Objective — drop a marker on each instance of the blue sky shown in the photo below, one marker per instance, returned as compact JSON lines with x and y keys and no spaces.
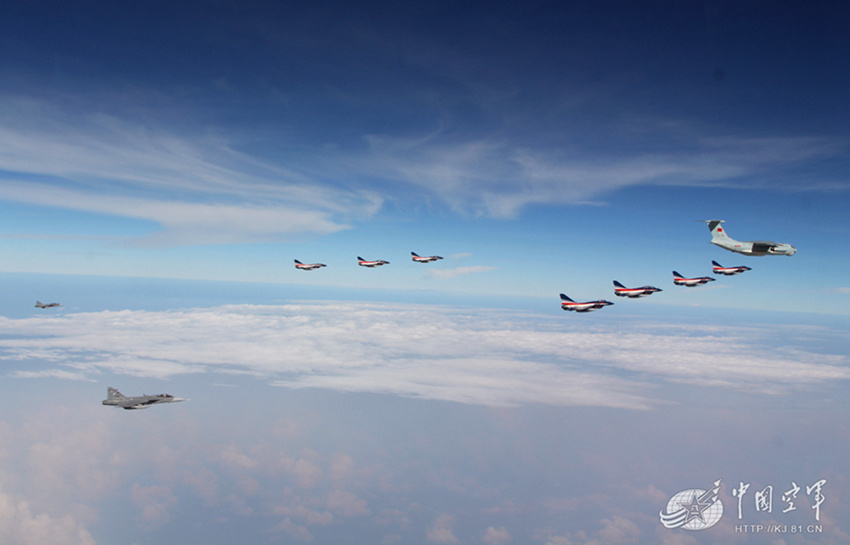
{"x":161,"y":166}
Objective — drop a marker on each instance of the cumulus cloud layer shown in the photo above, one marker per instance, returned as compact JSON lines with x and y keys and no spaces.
{"x":20,"y":526}
{"x":485,"y":357}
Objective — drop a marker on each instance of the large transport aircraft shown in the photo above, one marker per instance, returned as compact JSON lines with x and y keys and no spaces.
{"x":114,"y":398}
{"x":728,"y":271}
{"x":680,"y":280}
{"x":755,"y":247}
{"x":363,"y":263}
{"x":622,"y":291}
{"x":308,"y":266}
{"x":426,"y":259}
{"x":587,"y":306}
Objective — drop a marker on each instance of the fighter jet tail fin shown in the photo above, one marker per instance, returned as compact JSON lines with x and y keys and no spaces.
{"x":716,"y":264}
{"x":617,"y":284}
{"x":298,"y":262}
{"x":112,"y":393}
{"x":565,"y":298}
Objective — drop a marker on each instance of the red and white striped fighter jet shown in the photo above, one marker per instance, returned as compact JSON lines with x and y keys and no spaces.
{"x":680,"y":280}
{"x":363,"y":263}
{"x":728,"y":271}
{"x":587,"y":306}
{"x":308,"y":266}
{"x":426,"y":259}
{"x":622,"y":291}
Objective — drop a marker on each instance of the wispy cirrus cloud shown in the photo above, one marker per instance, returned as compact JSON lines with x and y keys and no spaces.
{"x":482,"y":357}
{"x":202,"y":186}
{"x":496,"y":177}
{"x":199,"y":189}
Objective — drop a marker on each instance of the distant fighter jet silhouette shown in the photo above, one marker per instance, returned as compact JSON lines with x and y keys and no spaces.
{"x":587,"y":306}
{"x":728,"y":271}
{"x":308,"y":266}
{"x":680,"y":280}
{"x":427,"y":259}
{"x":622,"y":291}
{"x":115,"y":398}
{"x":363,"y":263}
{"x":39,"y":304}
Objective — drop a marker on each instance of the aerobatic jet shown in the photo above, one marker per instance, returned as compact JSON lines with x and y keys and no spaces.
{"x":39,"y":304}
{"x":756,"y":247}
{"x":680,"y":280}
{"x":587,"y":306}
{"x":622,"y":291}
{"x":115,"y":398}
{"x":363,"y":263}
{"x":728,"y":271}
{"x":427,"y":259}
{"x":308,"y":266}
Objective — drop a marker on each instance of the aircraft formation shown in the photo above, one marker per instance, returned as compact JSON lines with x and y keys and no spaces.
{"x":115,"y":398}
{"x":720,"y":238}
{"x":366,"y":263}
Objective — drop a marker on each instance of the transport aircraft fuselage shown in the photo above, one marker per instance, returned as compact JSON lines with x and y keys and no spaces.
{"x":719,"y":237}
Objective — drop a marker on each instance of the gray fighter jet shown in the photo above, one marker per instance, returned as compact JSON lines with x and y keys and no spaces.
{"x":115,"y":398}
{"x":39,"y":304}
{"x":756,"y":247}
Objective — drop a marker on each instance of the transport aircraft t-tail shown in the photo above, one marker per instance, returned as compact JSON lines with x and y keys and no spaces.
{"x":622,"y":291}
{"x":755,"y":247}
{"x":680,"y":280}
{"x":115,"y":398}
{"x":426,"y":259}
{"x":308,"y":266}
{"x":728,"y":271}
{"x":587,"y":306}
{"x":363,"y":263}
{"x":39,"y":304}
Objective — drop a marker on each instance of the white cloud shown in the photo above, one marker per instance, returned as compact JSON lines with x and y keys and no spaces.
{"x":20,"y":526}
{"x":440,"y":530}
{"x":496,"y":536}
{"x":615,"y":531}
{"x":347,"y":504}
{"x":155,"y":504}
{"x":199,"y":190}
{"x":497,"y":178}
{"x":484,"y":357}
